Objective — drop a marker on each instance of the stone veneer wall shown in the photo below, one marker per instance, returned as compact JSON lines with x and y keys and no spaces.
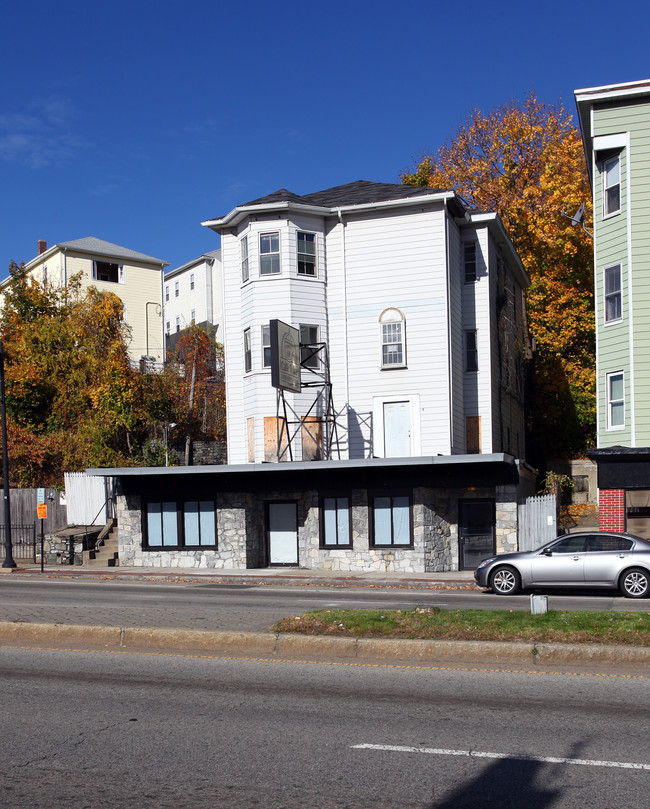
{"x":242,"y":541}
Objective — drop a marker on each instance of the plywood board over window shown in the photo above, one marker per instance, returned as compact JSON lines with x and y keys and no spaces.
{"x":473,"y":434}
{"x":274,"y":427}
{"x":312,"y":438}
{"x":250,"y":433}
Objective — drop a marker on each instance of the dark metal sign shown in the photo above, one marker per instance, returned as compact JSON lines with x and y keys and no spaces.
{"x":285,"y":356}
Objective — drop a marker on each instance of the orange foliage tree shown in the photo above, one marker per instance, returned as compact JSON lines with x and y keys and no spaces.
{"x":526,"y":162}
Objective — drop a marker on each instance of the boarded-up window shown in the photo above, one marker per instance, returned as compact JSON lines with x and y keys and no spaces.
{"x":250,"y":432}
{"x":312,"y":438}
{"x":473,"y":434}
{"x":275,"y":428}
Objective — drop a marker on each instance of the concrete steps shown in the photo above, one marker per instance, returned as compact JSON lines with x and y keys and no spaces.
{"x":106,"y":553}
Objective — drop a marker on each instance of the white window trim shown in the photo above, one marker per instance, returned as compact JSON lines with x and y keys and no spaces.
{"x":606,"y":214}
{"x":388,"y":316}
{"x":316,"y":360}
{"x":466,"y":351}
{"x":244,"y":259}
{"x":471,"y":243}
{"x":306,"y":274}
{"x":610,"y":426}
{"x":378,"y":402}
{"x":265,"y":345}
{"x":607,"y":322}
{"x":260,"y":254}
{"x":248,"y":351}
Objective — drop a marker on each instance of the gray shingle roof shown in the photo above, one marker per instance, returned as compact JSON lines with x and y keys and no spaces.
{"x":360,"y":192}
{"x":102,"y":248}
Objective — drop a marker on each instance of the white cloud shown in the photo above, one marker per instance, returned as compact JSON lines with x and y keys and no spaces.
{"x":41,"y":136}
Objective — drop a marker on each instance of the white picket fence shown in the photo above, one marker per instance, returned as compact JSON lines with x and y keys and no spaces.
{"x":89,"y":499}
{"x":537,"y":519}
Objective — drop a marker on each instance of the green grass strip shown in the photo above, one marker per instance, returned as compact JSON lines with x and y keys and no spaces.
{"x":631,"y":628}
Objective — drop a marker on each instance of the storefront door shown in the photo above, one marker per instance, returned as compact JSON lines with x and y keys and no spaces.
{"x":282,"y":533}
{"x":476,"y":529}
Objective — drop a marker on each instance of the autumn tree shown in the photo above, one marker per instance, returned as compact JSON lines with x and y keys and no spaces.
{"x":72,"y":397}
{"x":196,"y":386}
{"x":526,"y":161}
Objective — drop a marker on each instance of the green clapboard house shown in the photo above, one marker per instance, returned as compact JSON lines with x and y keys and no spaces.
{"x":615,"y":125}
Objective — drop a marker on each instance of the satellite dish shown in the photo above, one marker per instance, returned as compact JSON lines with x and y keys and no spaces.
{"x":579,"y":215}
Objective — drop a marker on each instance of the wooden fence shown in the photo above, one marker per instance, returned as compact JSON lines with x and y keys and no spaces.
{"x":537,"y":518}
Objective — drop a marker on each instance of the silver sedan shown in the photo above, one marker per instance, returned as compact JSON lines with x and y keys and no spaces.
{"x":596,"y":559}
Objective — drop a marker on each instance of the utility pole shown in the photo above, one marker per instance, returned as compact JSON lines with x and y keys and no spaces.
{"x":9,"y":556}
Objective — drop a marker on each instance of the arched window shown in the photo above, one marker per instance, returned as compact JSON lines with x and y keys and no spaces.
{"x":392,"y":336}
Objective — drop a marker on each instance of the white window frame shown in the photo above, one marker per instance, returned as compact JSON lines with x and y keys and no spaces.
{"x":243,"y":253}
{"x":177,"y":290}
{"x":266,"y":346}
{"x":191,"y":281}
{"x":387,"y":334}
{"x":313,"y":361}
{"x":168,"y":327}
{"x":307,"y":258}
{"x":121,"y":279}
{"x":166,"y":293}
{"x":616,"y":293}
{"x":610,"y":186}
{"x":611,"y":402}
{"x":248,"y":352}
{"x":178,"y":324}
{"x":469,"y":260}
{"x":270,"y":254}
{"x":471,"y":351}
{"x":193,"y":315}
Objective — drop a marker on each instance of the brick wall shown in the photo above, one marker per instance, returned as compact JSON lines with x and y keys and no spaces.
{"x":611,"y":503}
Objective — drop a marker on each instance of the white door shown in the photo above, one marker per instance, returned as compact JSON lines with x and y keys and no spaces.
{"x":397,"y":430}
{"x":283,"y":533}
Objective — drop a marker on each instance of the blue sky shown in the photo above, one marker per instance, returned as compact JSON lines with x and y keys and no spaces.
{"x":134,"y":121}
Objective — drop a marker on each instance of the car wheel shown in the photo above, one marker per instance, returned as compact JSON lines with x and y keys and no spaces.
{"x":505,"y":581}
{"x":635,"y":583}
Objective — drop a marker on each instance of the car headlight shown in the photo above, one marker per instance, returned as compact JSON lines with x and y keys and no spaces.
{"x":486,"y":562}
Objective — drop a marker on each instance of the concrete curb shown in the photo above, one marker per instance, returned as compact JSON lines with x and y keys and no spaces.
{"x":310,"y":646}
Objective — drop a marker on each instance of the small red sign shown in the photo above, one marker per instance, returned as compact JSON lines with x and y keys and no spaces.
{"x":41,"y":509}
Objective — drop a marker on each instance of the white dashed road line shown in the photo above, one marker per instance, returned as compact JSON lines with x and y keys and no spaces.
{"x":432,"y":751}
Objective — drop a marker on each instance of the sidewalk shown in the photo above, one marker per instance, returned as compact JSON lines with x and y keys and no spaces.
{"x":457,"y":579}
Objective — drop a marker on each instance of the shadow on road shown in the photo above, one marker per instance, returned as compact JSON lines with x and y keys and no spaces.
{"x":508,"y":783}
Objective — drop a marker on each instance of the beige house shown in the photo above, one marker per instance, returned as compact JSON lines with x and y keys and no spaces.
{"x":134,"y":277}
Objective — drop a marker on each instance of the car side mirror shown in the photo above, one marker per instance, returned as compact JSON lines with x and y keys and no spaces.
{"x":547,"y":552}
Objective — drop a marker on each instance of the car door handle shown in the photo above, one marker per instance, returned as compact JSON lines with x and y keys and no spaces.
{"x":622,"y":556}
{"x":577,"y":558}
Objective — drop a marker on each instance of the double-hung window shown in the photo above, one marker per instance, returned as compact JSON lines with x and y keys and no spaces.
{"x":611,"y":186}
{"x":191,"y":281}
{"x":185,"y":524}
{"x":308,"y":337}
{"x":248,"y":355}
{"x":335,"y":522}
{"x":306,"y":253}
{"x":393,"y":353}
{"x":167,"y":293}
{"x":469,"y":260}
{"x":613,"y":302}
{"x":391,"y":520}
{"x":615,"y":401}
{"x":266,"y":346}
{"x":471,"y":351}
{"x":177,"y":290}
{"x":243,"y":246}
{"x":269,"y":253}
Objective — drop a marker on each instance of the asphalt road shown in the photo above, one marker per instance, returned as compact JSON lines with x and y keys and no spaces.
{"x":134,"y":731}
{"x":240,"y":607}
